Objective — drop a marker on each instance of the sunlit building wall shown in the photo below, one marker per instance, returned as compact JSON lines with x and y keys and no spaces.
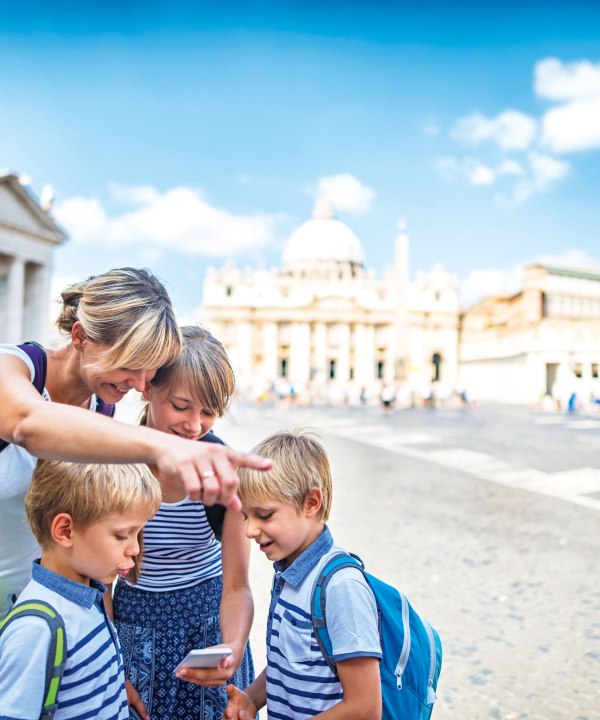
{"x":541,"y":341}
{"x":324,"y":325}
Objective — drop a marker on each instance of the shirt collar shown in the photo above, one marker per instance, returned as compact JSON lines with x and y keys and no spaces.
{"x":305,"y":562}
{"x":85,"y":595}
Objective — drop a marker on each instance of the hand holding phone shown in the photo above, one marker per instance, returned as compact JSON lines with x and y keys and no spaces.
{"x":205,"y":657}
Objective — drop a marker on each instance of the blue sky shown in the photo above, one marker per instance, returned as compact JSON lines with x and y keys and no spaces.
{"x":180,"y":135}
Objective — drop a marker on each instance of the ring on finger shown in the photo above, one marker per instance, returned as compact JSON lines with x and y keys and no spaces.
{"x":207,"y":474}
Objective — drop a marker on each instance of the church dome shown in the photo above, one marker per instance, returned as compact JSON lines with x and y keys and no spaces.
{"x":323,"y":238}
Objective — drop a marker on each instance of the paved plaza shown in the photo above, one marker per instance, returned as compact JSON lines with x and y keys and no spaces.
{"x":489,"y":520}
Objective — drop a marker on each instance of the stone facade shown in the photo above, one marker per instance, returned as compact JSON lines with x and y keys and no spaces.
{"x":326,"y":327}
{"x":28,"y":236}
{"x":541,"y":342}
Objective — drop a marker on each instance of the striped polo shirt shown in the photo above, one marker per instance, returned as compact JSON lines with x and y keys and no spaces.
{"x":300,"y":685}
{"x":93,"y":683}
{"x":180,"y":548}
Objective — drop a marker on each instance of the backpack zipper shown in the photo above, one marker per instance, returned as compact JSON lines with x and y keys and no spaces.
{"x":431,"y":696}
{"x":403,"y":659}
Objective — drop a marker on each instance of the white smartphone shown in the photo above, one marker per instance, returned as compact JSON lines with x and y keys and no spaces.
{"x":205,"y":657}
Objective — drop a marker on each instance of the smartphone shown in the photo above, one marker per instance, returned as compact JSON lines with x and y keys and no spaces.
{"x":205,"y":657}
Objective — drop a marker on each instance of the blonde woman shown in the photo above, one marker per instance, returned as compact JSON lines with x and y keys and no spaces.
{"x":193,"y":589}
{"x":120,"y":328}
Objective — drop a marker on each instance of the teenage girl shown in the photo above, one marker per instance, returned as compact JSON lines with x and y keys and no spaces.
{"x":192,"y":590}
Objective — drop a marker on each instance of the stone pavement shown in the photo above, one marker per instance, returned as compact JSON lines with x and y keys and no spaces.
{"x":489,"y":520}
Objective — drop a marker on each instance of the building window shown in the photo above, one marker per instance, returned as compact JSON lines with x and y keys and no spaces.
{"x":595,"y":371}
{"x":332,"y":369}
{"x":380,"y":369}
{"x":283,"y":367}
{"x":229,"y":291}
{"x":578,"y":370}
{"x":351,"y":373}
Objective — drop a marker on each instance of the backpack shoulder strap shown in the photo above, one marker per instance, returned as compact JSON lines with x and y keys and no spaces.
{"x":57,"y":653}
{"x":318,"y":601}
{"x":105,"y":408}
{"x":37,"y":355}
{"x":214,"y":513}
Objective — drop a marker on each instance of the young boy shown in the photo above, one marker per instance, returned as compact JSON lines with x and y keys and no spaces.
{"x":286,"y":510}
{"x":86,"y":519}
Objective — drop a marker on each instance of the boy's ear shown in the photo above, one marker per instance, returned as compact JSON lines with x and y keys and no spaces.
{"x":313,"y":502}
{"x":61,"y":529}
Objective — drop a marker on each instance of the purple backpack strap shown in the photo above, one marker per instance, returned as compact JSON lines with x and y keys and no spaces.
{"x":105,"y":408}
{"x":37,"y":355}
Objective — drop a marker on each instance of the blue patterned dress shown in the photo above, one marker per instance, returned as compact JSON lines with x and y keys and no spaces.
{"x":158,"y":627}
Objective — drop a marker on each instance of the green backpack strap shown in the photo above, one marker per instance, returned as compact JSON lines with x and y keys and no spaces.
{"x":57,"y":654}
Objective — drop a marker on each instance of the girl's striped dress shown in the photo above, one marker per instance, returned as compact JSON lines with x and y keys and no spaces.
{"x":173,"y":608}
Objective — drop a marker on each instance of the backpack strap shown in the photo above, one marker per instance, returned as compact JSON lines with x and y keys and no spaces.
{"x":318,"y":600}
{"x":57,"y":653}
{"x":214,"y":513}
{"x":36,"y":353}
{"x":105,"y":408}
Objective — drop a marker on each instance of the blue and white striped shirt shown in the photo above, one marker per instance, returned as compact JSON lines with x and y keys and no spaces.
{"x":93,"y":683}
{"x":180,"y":548}
{"x":300,"y":685}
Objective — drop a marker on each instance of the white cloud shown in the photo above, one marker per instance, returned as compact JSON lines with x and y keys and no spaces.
{"x":574,"y":258}
{"x":476,"y":172}
{"x":560,"y":81}
{"x":483,"y":283}
{"x":573,"y":126}
{"x":346,"y":192}
{"x":544,"y":170}
{"x":482,"y":175}
{"x":179,"y":218}
{"x":511,"y":130}
{"x":510,"y":167}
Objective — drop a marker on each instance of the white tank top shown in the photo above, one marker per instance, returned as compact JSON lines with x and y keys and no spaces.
{"x":18,"y":547}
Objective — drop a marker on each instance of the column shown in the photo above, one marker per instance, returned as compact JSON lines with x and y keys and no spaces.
{"x":343,"y":374}
{"x":16,"y":301}
{"x":360,"y":367}
{"x":370,"y":381}
{"x":36,"y":320}
{"x":300,"y":353}
{"x":270,"y":351}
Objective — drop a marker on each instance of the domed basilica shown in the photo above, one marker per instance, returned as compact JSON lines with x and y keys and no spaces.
{"x":326,"y":327}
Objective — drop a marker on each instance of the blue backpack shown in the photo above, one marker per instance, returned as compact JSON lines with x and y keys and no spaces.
{"x":412,"y":650}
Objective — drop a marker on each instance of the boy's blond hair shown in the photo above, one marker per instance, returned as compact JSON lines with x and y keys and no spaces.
{"x":89,"y":493}
{"x":300,"y":464}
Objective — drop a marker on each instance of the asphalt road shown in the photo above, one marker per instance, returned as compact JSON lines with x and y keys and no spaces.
{"x":489,"y":520}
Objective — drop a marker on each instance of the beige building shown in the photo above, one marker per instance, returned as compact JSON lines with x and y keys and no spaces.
{"x":28,"y":236}
{"x":326,"y":326}
{"x":542,"y":341}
